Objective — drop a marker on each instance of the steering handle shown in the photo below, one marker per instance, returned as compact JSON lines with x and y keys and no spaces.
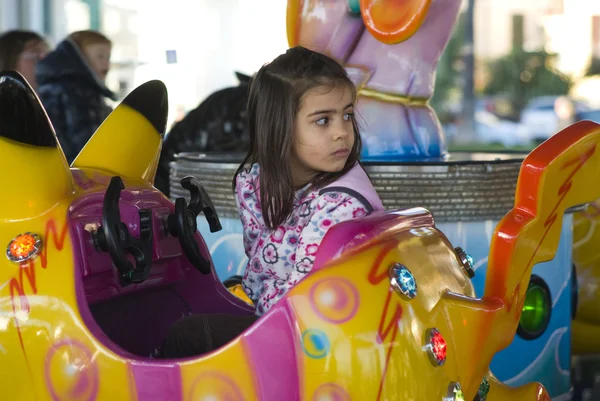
{"x":113,"y":237}
{"x":182,"y":223}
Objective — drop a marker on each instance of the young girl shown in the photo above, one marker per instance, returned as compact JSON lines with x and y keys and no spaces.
{"x":300,"y":177}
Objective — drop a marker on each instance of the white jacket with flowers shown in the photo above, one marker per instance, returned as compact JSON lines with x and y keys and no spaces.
{"x":280,"y":258}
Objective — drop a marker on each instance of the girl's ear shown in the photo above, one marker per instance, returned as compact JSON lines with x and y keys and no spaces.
{"x":128,"y":142}
{"x":34,"y":174}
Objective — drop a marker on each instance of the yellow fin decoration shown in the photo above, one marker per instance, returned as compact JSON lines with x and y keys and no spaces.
{"x":128,"y":142}
{"x":34,"y":174}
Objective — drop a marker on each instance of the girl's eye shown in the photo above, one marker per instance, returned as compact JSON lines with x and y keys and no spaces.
{"x":322,"y":121}
{"x":348,"y":116}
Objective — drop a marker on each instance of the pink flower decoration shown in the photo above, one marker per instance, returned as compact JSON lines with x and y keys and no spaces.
{"x":360,"y":212}
{"x":277,"y":236}
{"x":311,"y":249}
{"x":326,"y":224}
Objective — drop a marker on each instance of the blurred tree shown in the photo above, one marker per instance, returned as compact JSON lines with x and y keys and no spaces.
{"x":522,"y":76}
{"x":448,"y":74}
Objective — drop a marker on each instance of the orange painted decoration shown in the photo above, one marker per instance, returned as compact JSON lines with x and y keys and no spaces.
{"x":393,"y":21}
{"x":293,"y":21}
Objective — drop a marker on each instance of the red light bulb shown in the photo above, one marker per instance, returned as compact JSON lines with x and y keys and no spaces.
{"x":436,"y":347}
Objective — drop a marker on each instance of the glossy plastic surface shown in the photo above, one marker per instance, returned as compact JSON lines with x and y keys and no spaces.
{"x":393,"y":21}
{"x":586,"y":259}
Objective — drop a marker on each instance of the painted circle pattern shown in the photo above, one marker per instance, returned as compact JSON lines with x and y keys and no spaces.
{"x":215,"y":386}
{"x":330,"y":392}
{"x":71,"y":372}
{"x":335,"y":299}
{"x":315,"y":343}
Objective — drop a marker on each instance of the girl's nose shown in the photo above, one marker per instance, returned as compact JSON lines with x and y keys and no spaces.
{"x":341,"y":133}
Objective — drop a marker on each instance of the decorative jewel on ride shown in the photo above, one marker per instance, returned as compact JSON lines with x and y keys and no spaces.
{"x":435,"y":346}
{"x":484,"y":389}
{"x":403,"y":281}
{"x":23,"y":247}
{"x":466,"y":260}
{"x":455,"y":393}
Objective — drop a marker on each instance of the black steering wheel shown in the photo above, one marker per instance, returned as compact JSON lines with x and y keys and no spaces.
{"x":182,"y":223}
{"x":113,"y":237}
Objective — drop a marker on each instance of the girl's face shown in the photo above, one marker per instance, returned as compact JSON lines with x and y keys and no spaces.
{"x":323,"y":133}
{"x":33,"y":52}
{"x":98,"y":56}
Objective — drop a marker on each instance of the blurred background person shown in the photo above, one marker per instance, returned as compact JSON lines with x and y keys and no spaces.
{"x":217,"y":125}
{"x":21,"y":50}
{"x":72,"y":88}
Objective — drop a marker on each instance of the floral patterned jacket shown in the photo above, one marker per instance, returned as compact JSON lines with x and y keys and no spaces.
{"x":279,"y":259}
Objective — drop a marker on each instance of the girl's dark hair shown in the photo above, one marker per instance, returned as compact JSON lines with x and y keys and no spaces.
{"x":273,"y":102}
{"x":12,"y":44}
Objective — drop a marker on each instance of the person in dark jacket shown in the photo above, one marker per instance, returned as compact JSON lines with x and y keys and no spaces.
{"x":72,"y":89}
{"x":217,"y":125}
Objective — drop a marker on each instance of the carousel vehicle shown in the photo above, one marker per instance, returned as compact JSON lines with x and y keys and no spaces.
{"x":99,"y":264}
{"x":390,"y":50}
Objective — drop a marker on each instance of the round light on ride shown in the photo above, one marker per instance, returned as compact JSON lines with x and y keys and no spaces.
{"x":23,"y":247}
{"x":537,"y":308}
{"x":466,"y":260}
{"x":403,"y":281}
{"x":455,"y":393}
{"x":436,"y":347}
{"x":484,"y":389}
